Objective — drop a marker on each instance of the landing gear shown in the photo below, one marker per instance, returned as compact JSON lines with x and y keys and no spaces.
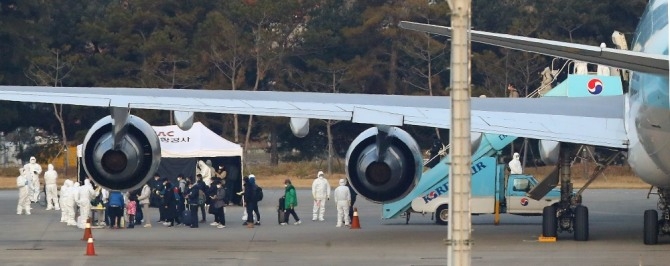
{"x":581,"y":226}
{"x":549,"y":221}
{"x":654,"y":225}
{"x":650,"y":227}
{"x":568,"y":214}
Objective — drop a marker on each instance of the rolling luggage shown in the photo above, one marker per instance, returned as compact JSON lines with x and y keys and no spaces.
{"x":186,"y":216}
{"x":280,"y":210}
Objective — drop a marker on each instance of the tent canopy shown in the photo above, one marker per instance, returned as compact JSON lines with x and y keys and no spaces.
{"x":198,"y":141}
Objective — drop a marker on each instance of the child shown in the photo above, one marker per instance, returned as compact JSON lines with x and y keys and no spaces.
{"x":131,"y":209}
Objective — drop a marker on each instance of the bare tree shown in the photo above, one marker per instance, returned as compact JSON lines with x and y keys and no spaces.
{"x":223,"y":43}
{"x":51,"y":70}
{"x":274,"y":35}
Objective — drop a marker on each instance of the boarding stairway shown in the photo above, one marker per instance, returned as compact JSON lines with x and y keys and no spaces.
{"x":486,"y":145}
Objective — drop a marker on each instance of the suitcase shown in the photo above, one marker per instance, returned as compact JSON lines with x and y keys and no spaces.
{"x":280,"y":211}
{"x":186,"y":217}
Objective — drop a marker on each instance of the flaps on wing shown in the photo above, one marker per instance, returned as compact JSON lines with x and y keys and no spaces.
{"x":635,"y":61}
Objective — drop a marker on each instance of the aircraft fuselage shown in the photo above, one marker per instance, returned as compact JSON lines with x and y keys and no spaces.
{"x":648,"y":110}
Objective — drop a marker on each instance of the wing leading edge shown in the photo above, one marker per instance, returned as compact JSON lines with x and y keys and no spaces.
{"x":635,"y":61}
{"x":591,"y":120}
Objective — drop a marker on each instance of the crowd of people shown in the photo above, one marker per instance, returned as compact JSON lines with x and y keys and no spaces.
{"x":187,"y":202}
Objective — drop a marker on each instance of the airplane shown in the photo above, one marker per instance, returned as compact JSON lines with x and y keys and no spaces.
{"x":121,"y":151}
{"x":645,"y":114}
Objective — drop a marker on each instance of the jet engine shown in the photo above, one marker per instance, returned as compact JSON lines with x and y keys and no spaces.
{"x":383,"y":164}
{"x":124,"y":164}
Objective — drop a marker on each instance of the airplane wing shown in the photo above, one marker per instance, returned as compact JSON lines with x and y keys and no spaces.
{"x":591,"y":120}
{"x":635,"y":61}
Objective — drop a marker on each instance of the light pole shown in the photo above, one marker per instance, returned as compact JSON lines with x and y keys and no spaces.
{"x":459,"y":239}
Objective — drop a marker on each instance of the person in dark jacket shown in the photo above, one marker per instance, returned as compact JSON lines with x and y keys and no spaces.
{"x":290,"y":202}
{"x":156,"y":185}
{"x":250,"y":200}
{"x":202,"y":186}
{"x":434,"y":152}
{"x":180,"y":202}
{"x":169,"y":205}
{"x":192,"y":196}
{"x":233,"y":184}
{"x":218,"y":205}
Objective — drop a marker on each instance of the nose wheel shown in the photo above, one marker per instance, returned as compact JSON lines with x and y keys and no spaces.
{"x":655,"y":226}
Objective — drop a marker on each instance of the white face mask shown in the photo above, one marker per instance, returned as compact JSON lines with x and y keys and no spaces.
{"x":285,"y":185}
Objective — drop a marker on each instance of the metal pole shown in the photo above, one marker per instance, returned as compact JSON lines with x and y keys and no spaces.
{"x":459,"y":236}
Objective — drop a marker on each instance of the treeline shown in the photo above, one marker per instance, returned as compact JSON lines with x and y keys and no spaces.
{"x":338,"y":46}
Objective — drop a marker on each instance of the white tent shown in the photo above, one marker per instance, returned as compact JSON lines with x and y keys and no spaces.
{"x":198,"y":141}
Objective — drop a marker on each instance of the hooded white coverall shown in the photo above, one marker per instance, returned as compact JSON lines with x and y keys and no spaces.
{"x":23,"y":183}
{"x":64,"y":194}
{"x":205,"y":171}
{"x":51,"y":187}
{"x":212,"y":171}
{"x":70,"y":203}
{"x":320,"y":193}
{"x":35,"y":171}
{"x":86,"y":194}
{"x":515,"y":165}
{"x":343,"y":200}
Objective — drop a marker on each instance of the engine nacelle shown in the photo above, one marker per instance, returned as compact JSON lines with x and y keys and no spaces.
{"x":383,"y":166}
{"x":131,"y":164}
{"x":299,"y":126}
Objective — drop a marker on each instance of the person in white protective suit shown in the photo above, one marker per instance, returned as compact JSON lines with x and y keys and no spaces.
{"x":581,"y":68}
{"x":343,"y":201}
{"x":212,"y":171}
{"x":62,"y":194}
{"x":23,"y":183}
{"x":205,"y":171}
{"x":70,"y":203}
{"x":86,"y":194}
{"x":515,"y":165}
{"x":36,"y":171}
{"x":320,"y":193}
{"x":51,"y":187}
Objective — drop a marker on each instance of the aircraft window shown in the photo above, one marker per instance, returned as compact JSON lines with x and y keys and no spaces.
{"x":521,"y":185}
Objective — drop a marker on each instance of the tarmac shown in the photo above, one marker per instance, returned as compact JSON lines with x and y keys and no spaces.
{"x":615,"y":238}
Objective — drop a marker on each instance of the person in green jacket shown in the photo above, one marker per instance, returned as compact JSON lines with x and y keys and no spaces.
{"x":290,"y":202}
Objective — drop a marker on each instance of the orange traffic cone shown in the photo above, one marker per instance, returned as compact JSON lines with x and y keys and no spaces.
{"x":90,"y":250}
{"x":355,"y":224}
{"x":87,"y":232}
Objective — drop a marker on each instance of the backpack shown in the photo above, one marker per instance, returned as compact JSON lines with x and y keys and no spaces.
{"x":259,"y":193}
{"x":201,"y":197}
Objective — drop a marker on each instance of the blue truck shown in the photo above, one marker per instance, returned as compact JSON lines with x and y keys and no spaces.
{"x":492,"y":190}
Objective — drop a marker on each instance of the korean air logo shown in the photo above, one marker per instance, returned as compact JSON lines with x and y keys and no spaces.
{"x":595,"y":86}
{"x":524,"y":202}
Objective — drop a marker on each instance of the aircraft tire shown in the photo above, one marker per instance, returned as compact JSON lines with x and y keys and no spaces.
{"x":549,"y":221}
{"x":581,"y":223}
{"x":442,"y":214}
{"x":650,"y":227}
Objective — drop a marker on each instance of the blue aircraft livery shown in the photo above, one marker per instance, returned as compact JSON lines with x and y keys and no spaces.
{"x":433,"y":194}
